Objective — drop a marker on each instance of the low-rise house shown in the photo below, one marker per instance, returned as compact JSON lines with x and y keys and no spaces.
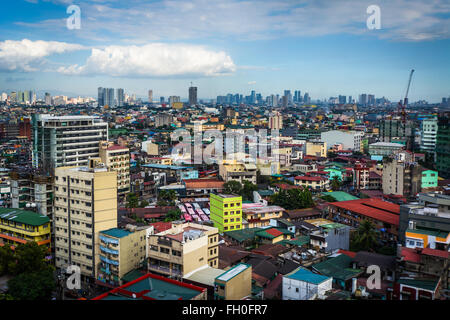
{"x":302,"y":284}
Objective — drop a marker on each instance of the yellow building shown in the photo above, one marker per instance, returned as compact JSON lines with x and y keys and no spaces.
{"x":117,"y":158}
{"x":260,"y":216}
{"x":85,"y":204}
{"x":183,"y":249}
{"x":234,"y":284}
{"x":21,"y":226}
{"x":312,"y":182}
{"x":316,"y":149}
{"x":226,"y":212}
{"x":232,"y":170}
{"x":121,"y":251}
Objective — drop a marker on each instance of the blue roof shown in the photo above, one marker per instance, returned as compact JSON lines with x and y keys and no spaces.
{"x":116,"y":232}
{"x":303,"y":274}
{"x":165,"y":166}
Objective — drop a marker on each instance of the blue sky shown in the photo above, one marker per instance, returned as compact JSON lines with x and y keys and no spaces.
{"x":320,"y":47}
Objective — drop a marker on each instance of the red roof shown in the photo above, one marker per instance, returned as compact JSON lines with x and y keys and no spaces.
{"x":410,"y":255}
{"x":350,"y":254}
{"x":436,"y":253}
{"x":374,"y":208}
{"x":274,"y":232}
{"x":161,"y":226}
{"x":310,"y":178}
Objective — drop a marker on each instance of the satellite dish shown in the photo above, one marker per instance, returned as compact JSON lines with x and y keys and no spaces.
{"x":28,"y":205}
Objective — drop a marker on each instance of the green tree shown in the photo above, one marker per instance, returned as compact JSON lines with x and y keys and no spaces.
{"x":132,"y":201}
{"x":293,"y":199}
{"x":365,"y":238}
{"x":173,"y":215}
{"x":28,"y":258}
{"x":143,"y":204}
{"x":32,"y":286}
{"x":166,"y":198}
{"x":6,"y":259}
{"x":232,"y":187}
{"x":247,"y":190}
{"x":336,"y":183}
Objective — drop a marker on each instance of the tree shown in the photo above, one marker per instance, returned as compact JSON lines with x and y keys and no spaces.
{"x":132,"y":201}
{"x":232,"y":187}
{"x":293,"y":199}
{"x":247,"y":190}
{"x":143,"y":204}
{"x":32,"y":286}
{"x":328,"y":198}
{"x":28,"y":258}
{"x":365,"y":237}
{"x":6,"y":259}
{"x":173,"y":215}
{"x":336,"y":183}
{"x":167,"y":198}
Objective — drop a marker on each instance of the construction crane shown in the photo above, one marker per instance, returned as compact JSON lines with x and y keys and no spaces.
{"x":402,"y":106}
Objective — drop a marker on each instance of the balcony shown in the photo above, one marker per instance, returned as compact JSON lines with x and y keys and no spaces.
{"x":167,"y":270}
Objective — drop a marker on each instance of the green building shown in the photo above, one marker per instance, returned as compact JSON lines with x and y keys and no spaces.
{"x":443,"y":146}
{"x":429,"y":179}
{"x":226,"y":212}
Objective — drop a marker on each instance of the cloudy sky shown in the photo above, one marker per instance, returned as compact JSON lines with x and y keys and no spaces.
{"x":322,"y":47}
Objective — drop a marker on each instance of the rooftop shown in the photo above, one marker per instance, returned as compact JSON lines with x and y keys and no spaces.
{"x":231,"y":273}
{"x":305,"y":275}
{"x":153,"y":287}
{"x":116,"y":232}
{"x":23,"y":216}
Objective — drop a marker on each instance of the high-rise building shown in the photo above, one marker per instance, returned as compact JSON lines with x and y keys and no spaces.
{"x":85,"y":205}
{"x":109,"y":97}
{"x":150,"y":96}
{"x":363,"y":99}
{"x":288,"y":95}
{"x":117,"y":158}
{"x":192,"y":96}
{"x":371,"y":100}
{"x":402,"y":177}
{"x":48,"y":99}
{"x":429,"y":130}
{"x":173,"y":99}
{"x":162,"y":100}
{"x":394,"y":130}
{"x":276,"y":121}
{"x":443,"y":145}
{"x":66,"y":140}
{"x":306,"y":98}
{"x":226,"y":212}
{"x":342,"y":99}
{"x":120,"y":97}
{"x":101,"y":97}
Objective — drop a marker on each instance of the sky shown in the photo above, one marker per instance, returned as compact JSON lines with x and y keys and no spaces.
{"x":323,"y":47}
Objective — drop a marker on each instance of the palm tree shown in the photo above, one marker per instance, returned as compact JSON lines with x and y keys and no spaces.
{"x":366,"y":236}
{"x":335,"y":183}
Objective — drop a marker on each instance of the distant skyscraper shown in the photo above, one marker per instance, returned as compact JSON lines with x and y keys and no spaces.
{"x":306,"y":98}
{"x":162,"y":100}
{"x":371,"y":100}
{"x":101,"y":97}
{"x":48,"y":99}
{"x":253,"y":97}
{"x":109,"y":97}
{"x":173,"y":99}
{"x":150,"y":96}
{"x":350,"y":100}
{"x":288,"y":95}
{"x":342,"y":99}
{"x":192,"y":95}
{"x":120,"y":97}
{"x":363,"y":99}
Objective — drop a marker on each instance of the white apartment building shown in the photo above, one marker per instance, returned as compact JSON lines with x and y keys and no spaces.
{"x":66,"y":140}
{"x":349,"y":139}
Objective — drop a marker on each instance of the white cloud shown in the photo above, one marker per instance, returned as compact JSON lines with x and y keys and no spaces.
{"x":255,"y":19}
{"x":27,"y":55}
{"x":251,"y":82}
{"x":154,"y":60}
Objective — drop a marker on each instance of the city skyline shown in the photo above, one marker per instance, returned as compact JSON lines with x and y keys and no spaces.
{"x":323,"y":48}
